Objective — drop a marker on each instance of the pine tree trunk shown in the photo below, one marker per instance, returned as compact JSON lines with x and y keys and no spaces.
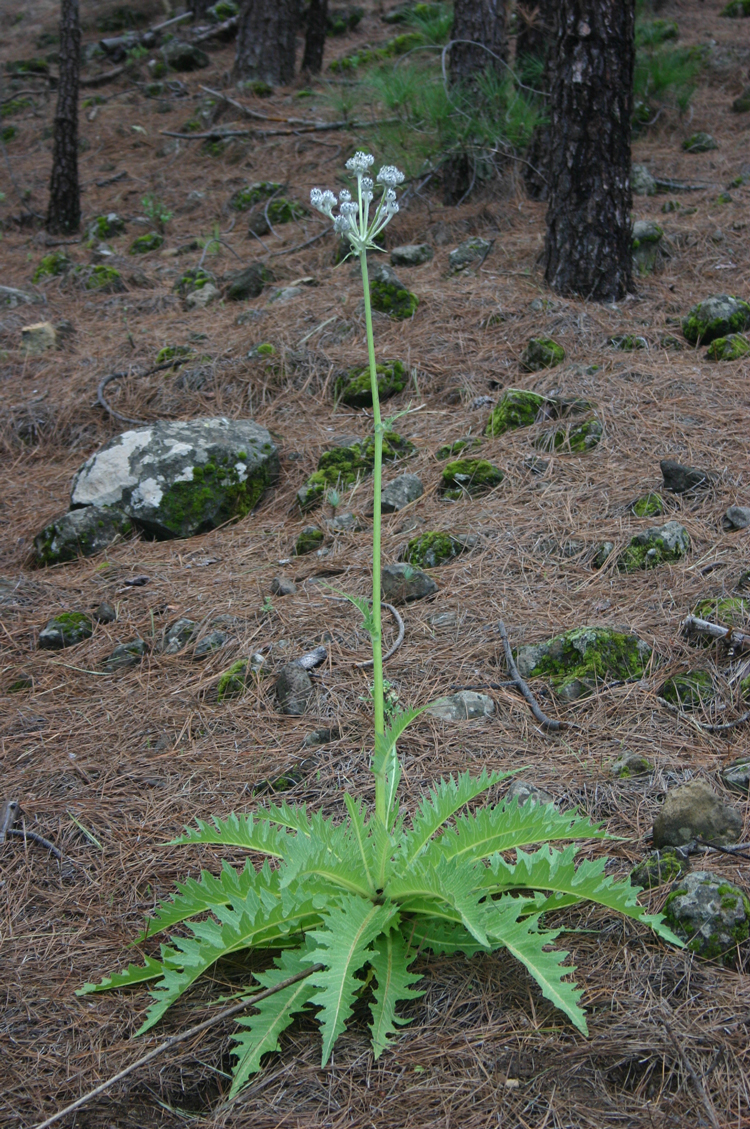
{"x":481,"y":24}
{"x":588,"y":248}
{"x":266,"y":41}
{"x":535,"y":43}
{"x":315,"y":36}
{"x":64,"y":211}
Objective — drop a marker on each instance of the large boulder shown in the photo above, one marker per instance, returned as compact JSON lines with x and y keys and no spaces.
{"x":176,"y":479}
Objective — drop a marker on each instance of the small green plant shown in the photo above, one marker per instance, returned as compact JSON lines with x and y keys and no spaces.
{"x":156,"y":210}
{"x":349,"y":904}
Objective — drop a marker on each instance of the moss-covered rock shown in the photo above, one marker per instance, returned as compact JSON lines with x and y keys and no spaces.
{"x":647,"y":237}
{"x":102,"y":278}
{"x":650,"y":505}
{"x":736,"y":775}
{"x":389,"y":295}
{"x":430,"y":550}
{"x":83,"y":532}
{"x":736,"y":9}
{"x":342,"y":466}
{"x":659,"y":868}
{"x":541,"y":353}
{"x":251,"y":194}
{"x":66,"y":630}
{"x":354,"y":388}
{"x":717,"y":316}
{"x":105,"y":227}
{"x":310,"y":539}
{"x":710,"y":914}
{"x":172,"y":352}
{"x":152,"y":241}
{"x":578,"y":661}
{"x":627,"y":342}
{"x":468,"y":443}
{"x":731,"y":348}
{"x":470,"y":252}
{"x":126,"y":655}
{"x":515,"y":409}
{"x":469,"y":476}
{"x":192,"y":280}
{"x":52,"y":265}
{"x":631,"y":764}
{"x":700,"y":142}
{"x":249,"y":282}
{"x":688,"y":691}
{"x":729,"y":611}
{"x":576,"y":438}
{"x":654,"y":546}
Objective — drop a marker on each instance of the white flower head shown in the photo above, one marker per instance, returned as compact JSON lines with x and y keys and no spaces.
{"x":390,"y":176}
{"x":345,"y":195}
{"x":367,"y":185}
{"x":324,"y":202}
{"x":360,"y":162}
{"x":348,"y":208}
{"x":342,"y":225}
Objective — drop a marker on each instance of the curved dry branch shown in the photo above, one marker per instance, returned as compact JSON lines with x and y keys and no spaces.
{"x":546,"y":722}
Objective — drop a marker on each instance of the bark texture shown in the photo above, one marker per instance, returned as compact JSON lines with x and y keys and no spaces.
{"x":64,"y":210}
{"x":315,"y":36}
{"x":537,"y":27}
{"x":588,"y":247}
{"x":266,"y":41}
{"x":482,"y":24}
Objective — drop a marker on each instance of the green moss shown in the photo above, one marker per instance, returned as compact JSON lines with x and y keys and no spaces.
{"x":193,"y":280}
{"x":580,"y":659}
{"x":688,"y":691}
{"x":342,"y":467}
{"x":653,"y":547}
{"x":729,"y":611}
{"x":25,"y":682}
{"x":658,"y":869}
{"x":399,"y":45}
{"x":540,"y":353}
{"x":308,"y":541}
{"x":252,"y":194}
{"x":576,"y":439}
{"x":354,"y":388}
{"x":263,"y":350}
{"x":432,"y":549}
{"x":27,"y":66}
{"x":282,"y":210}
{"x":14,"y":107}
{"x":719,"y":316}
{"x":51,"y":265}
{"x":100,"y":277}
{"x":469,"y":476}
{"x":222,"y":10}
{"x":627,"y":342}
{"x":650,"y":505}
{"x":169,"y":352}
{"x":232,"y":682}
{"x":515,"y":409}
{"x":730,"y":348}
{"x":387,"y":298}
{"x":215,"y":495}
{"x":458,"y":446}
{"x":104,"y":227}
{"x":145,"y":243}
{"x":736,"y":9}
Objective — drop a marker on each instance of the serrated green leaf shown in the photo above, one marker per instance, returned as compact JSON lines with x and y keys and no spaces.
{"x":427,"y":884}
{"x":385,"y":743}
{"x":237,"y":831}
{"x":272,"y":1016}
{"x":134,"y":974}
{"x":342,"y":944}
{"x":442,"y":937}
{"x":390,"y":960}
{"x":441,"y":803}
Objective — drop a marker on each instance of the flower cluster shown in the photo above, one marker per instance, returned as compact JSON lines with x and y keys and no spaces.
{"x":353,"y":220}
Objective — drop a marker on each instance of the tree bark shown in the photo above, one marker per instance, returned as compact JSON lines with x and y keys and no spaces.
{"x":482,"y":24}
{"x":588,"y":247}
{"x":64,"y":210}
{"x":536,"y":26}
{"x":534,"y":48}
{"x":266,"y":41}
{"x":315,"y":36}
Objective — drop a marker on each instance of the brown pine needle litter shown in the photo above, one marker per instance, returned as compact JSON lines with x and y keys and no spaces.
{"x":134,"y":756}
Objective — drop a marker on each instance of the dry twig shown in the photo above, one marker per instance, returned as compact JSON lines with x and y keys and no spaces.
{"x":545,"y":722}
{"x":697,"y":1082}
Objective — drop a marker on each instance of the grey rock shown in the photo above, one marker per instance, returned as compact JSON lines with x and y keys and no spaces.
{"x":466,"y":705}
{"x":716,"y":316}
{"x":210,"y":643}
{"x":655,"y":545}
{"x":105,"y":613}
{"x":579,"y":660}
{"x":184,"y":56}
{"x":248,"y":317}
{"x":631,"y":764}
{"x":176,"y":479}
{"x":83,"y":532}
{"x":442,"y":620}
{"x":527,"y":793}
{"x":65,"y":630}
{"x":199,"y":299}
{"x":286,"y":293}
{"x":283,"y":586}
{"x":310,"y":539}
{"x":602,"y":553}
{"x":474,"y":250}
{"x":700,"y":142}
{"x":126,"y":655}
{"x":737,"y":774}
{"x":682,"y":479}
{"x":344,"y":523}
{"x":401,"y":583}
{"x":178,"y":635}
{"x":642,"y":182}
{"x":736,"y":517}
{"x":711,"y":914}
{"x":694,"y":811}
{"x":320,"y":737}
{"x":659,"y":868}
{"x":294,"y":689}
{"x":10,"y":298}
{"x":248,"y":283}
{"x":647,"y":251}
{"x":411,"y":254}
{"x":401,"y":492}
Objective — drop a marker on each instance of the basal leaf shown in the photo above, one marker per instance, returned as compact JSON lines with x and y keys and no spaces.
{"x":441,"y":803}
{"x":390,"y":960}
{"x":134,"y":974}
{"x":237,"y":831}
{"x":441,"y":937}
{"x":427,"y":884}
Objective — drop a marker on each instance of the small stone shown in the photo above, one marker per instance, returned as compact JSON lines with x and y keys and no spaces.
{"x":466,"y":477}
{"x":737,"y":774}
{"x":211,"y":642}
{"x":741,"y":104}
{"x":286,"y":294}
{"x":310,"y":539}
{"x":104,"y":227}
{"x":650,"y":505}
{"x":468,"y":442}
{"x":83,"y":532}
{"x":579,"y":660}
{"x":430,"y":550}
{"x":535,"y":465}
{"x":354,"y":388}
{"x":736,"y":517}
{"x":471,"y":251}
{"x":647,"y":252}
{"x":233,"y":682}
{"x":654,"y":546}
{"x":626,"y":342}
{"x":515,"y":409}
{"x":731,"y":348}
{"x":699,"y":142}
{"x":574,"y":439}
{"x":10,"y":297}
{"x":711,"y":914}
{"x":320,"y":737}
{"x":401,"y":583}
{"x":659,"y":868}
{"x":184,"y":56}
{"x":344,"y":523}
{"x":411,"y":254}
{"x":401,"y":492}
{"x":466,"y":705}
{"x":65,"y":630}
{"x":126,"y":655}
{"x":249,"y":317}
{"x":602,"y":553}
{"x":38,"y":338}
{"x":542,"y":353}
{"x":694,"y":811}
{"x":283,"y":586}
{"x":248,"y":283}
{"x":105,"y":613}
{"x":199,"y":299}
{"x":681,"y":479}
{"x":176,"y":637}
{"x":717,"y":316}
{"x":631,"y":764}
{"x":642,"y":182}
{"x":526,"y":793}
{"x":294,"y":689}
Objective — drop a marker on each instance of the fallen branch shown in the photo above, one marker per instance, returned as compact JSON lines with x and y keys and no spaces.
{"x":8,"y":814}
{"x":228,"y":25}
{"x":545,"y":722}
{"x":32,"y":837}
{"x":309,"y":127}
{"x":738,"y":849}
{"x":694,"y":626}
{"x":677,"y":186}
{"x":396,"y":645}
{"x":173,"y":1040}
{"x":102,"y":79}
{"x":120,"y":376}
{"x":705,"y":727}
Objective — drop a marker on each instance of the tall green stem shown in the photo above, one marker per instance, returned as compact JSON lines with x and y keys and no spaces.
{"x":377,"y":474}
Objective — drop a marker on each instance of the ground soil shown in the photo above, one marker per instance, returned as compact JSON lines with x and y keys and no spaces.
{"x":133,"y":757}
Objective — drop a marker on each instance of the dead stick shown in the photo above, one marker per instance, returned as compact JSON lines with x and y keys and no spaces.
{"x":8,"y":813}
{"x":546,"y":722}
{"x":32,"y":836}
{"x":396,"y":645}
{"x":173,"y":1040}
{"x":694,"y":626}
{"x":698,"y":1084}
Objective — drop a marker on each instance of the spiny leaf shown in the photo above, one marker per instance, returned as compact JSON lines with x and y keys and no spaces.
{"x":442,"y":802}
{"x":342,"y":944}
{"x":373,"y":842}
{"x":343,"y":870}
{"x":426,"y":883}
{"x":134,"y":974}
{"x":442,"y":937}
{"x":237,"y":831}
{"x":385,"y":743}
{"x":272,"y":1016}
{"x":390,"y":960}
